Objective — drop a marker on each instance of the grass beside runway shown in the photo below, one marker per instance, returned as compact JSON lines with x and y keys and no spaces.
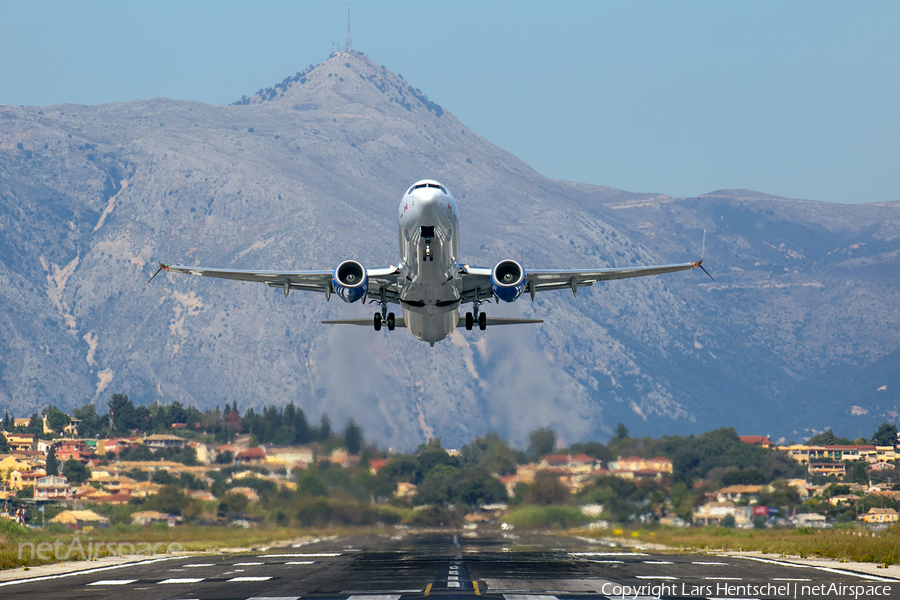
{"x":19,"y":545}
{"x":858,"y":544}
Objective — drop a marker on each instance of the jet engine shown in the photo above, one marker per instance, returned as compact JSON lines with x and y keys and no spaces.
{"x":350,"y":281}
{"x":508,"y":280}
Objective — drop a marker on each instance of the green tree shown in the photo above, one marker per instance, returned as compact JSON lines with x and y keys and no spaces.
{"x":541,"y":442}
{"x":548,"y":489}
{"x":621,"y":432}
{"x":57,"y":420}
{"x":4,"y":445}
{"x":886,"y":435}
{"x":91,"y":423}
{"x":353,"y":438}
{"x":860,"y":472}
{"x":122,"y":414}
{"x":170,"y":500}
{"x":52,"y":466}
{"x":75,"y":472}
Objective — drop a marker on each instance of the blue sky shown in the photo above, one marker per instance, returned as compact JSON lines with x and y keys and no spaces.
{"x":798,"y":99}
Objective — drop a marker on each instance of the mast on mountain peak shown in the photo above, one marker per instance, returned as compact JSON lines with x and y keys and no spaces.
{"x":349,"y":48}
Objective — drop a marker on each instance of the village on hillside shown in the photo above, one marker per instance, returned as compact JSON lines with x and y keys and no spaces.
{"x":145,"y":465}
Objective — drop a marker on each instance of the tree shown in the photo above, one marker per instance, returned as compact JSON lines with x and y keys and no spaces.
{"x":828,"y":438}
{"x":353,"y":438}
{"x":886,"y":435}
{"x":36,"y":424}
{"x":547,"y":489}
{"x":121,"y":413}
{"x":91,"y":423}
{"x":541,"y":442}
{"x":52,"y":465}
{"x":57,"y":420}
{"x":75,"y":472}
{"x":170,"y":500}
{"x":324,"y":428}
{"x":621,"y":432}
{"x":860,"y":472}
{"x":4,"y":445}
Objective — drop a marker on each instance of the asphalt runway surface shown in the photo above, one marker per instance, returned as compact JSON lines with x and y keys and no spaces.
{"x":448,"y":566}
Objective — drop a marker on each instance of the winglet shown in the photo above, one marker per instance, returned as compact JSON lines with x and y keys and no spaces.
{"x":699,"y":263}
{"x":162,"y":267}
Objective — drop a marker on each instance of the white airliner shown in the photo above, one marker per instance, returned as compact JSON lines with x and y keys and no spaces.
{"x":430,"y":284}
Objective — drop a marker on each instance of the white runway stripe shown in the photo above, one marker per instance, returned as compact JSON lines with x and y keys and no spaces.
{"x":655,"y":577}
{"x":113,"y":582}
{"x":528,"y":597}
{"x":249,"y":579}
{"x":375,"y":597}
{"x":247,"y":564}
{"x":198,"y":565}
{"x":274,"y":598}
{"x":658,"y":562}
{"x":301,"y":562}
{"x":183,"y":580}
{"x":301,"y":555}
{"x":608,"y":554}
{"x":699,"y":562}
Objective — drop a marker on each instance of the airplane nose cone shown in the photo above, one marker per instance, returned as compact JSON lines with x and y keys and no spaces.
{"x":429,"y":196}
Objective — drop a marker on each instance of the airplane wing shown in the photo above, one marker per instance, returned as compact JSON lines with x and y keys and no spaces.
{"x":491,"y":322}
{"x":477,"y":280}
{"x":382,"y":281}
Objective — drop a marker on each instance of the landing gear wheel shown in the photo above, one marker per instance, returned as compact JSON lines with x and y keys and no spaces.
{"x":391,"y":321}
{"x":470,"y":321}
{"x":377,"y":321}
{"x":482,"y":321}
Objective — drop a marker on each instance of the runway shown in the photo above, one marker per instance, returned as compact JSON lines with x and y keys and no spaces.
{"x":402,"y":566}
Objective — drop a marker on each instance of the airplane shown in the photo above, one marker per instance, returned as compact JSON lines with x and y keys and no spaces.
{"x":430,"y":284}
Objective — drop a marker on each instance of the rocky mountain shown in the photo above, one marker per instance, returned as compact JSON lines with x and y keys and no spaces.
{"x":799,"y":330}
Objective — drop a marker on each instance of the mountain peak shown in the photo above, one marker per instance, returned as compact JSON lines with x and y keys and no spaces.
{"x":345,"y":78}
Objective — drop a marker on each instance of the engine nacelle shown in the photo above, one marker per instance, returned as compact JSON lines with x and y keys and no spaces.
{"x":350,"y":281}
{"x":508,"y":280}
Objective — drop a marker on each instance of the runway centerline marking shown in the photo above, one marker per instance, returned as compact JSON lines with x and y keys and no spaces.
{"x":247,"y":564}
{"x":198,"y":565}
{"x":183,"y":580}
{"x":233,"y":579}
{"x":301,"y":562}
{"x":655,"y":577}
{"x":113,"y":582}
{"x":658,"y":562}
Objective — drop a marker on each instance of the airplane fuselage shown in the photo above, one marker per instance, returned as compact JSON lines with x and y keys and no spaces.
{"x":429,"y":252}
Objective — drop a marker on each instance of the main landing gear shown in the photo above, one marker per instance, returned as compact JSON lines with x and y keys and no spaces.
{"x":383,"y":317}
{"x":478,"y":317}
{"x":388,"y":320}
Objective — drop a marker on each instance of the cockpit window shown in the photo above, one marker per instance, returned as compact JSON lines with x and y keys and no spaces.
{"x":431,"y":185}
